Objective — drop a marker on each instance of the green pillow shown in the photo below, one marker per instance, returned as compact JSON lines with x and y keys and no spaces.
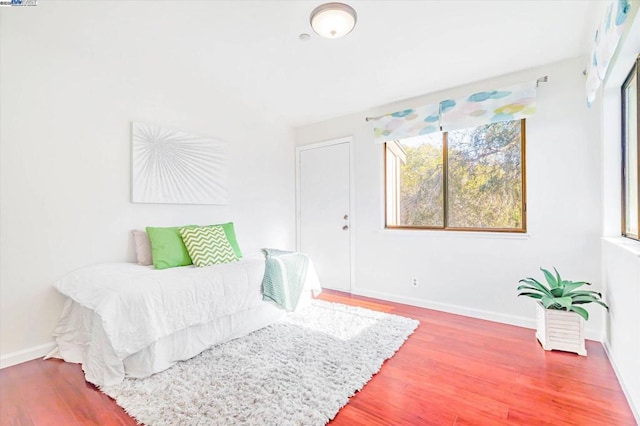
{"x":230,"y":232}
{"x":207,"y":245}
{"x":167,"y":248}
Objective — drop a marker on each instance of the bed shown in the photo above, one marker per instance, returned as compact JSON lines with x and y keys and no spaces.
{"x":125,"y":319}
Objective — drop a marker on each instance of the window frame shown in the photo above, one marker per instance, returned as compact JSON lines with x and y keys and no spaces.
{"x":634,"y":72}
{"x":445,"y":188}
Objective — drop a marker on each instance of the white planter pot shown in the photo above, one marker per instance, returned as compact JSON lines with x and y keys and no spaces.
{"x":561,"y":330}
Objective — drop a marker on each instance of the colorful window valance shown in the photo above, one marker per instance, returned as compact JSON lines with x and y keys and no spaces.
{"x":605,"y":43}
{"x":511,"y":103}
{"x":407,"y":123}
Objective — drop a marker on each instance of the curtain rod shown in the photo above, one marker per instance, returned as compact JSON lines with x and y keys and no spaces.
{"x":543,"y":79}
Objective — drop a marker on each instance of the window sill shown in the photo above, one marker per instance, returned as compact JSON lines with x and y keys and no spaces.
{"x":456,"y":234}
{"x":627,"y":244}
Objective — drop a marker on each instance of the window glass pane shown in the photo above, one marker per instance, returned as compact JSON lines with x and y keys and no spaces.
{"x":421,"y":196}
{"x":485,"y":177}
{"x":631,"y":157}
{"x":392,"y":185}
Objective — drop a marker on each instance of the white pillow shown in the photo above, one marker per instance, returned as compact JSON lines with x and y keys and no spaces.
{"x":143,"y":247}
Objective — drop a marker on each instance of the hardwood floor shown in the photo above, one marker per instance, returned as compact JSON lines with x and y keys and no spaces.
{"x":453,"y":370}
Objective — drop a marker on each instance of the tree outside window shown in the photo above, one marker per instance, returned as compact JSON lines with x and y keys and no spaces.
{"x":469,"y":179}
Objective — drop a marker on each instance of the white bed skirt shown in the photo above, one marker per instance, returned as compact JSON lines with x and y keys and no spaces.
{"x":90,"y":347}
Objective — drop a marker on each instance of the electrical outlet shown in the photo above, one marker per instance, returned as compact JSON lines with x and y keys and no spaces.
{"x":414,"y":282}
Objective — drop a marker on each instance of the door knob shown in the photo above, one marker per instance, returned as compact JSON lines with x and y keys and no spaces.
{"x":346,"y":216}
{"x":344,"y":228}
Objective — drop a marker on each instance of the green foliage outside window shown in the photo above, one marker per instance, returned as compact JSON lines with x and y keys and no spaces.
{"x":468,"y":179}
{"x":421,"y":184}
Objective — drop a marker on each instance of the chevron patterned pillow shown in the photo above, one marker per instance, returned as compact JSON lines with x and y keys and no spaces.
{"x":207,"y":245}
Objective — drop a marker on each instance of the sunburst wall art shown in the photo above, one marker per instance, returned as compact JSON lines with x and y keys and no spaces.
{"x":175,"y":167}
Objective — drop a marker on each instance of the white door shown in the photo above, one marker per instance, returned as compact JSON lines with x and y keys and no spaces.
{"x":324,"y":211}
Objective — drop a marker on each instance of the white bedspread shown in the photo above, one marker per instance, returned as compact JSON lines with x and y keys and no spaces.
{"x":138,"y":305}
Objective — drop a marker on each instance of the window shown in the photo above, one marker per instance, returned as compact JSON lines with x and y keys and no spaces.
{"x":469,"y":179}
{"x":630,"y":155}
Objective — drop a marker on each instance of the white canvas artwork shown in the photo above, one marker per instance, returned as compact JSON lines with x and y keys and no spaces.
{"x":175,"y":167}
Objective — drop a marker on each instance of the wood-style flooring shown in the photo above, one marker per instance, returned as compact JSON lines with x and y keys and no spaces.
{"x":453,"y":370}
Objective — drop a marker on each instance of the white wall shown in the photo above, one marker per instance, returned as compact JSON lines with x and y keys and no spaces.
{"x":621,"y":277}
{"x":620,"y":256}
{"x":73,"y":76}
{"x":477,"y":274}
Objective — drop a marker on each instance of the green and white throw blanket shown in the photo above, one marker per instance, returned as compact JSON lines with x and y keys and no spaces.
{"x":284,"y":277}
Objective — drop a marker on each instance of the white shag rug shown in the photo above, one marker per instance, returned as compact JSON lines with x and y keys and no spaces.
{"x":299,"y":371}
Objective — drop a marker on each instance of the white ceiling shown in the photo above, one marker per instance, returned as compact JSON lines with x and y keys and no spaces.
{"x":398,"y":50}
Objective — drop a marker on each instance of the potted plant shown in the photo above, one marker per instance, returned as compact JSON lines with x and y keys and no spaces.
{"x":560,"y":313}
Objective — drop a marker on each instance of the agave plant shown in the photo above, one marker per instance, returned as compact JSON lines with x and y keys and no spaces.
{"x":560,"y":294}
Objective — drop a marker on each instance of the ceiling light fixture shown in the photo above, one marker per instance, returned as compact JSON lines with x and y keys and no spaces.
{"x":333,"y":20}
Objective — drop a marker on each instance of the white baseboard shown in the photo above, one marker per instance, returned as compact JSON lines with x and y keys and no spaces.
{"x":25,"y":355}
{"x":527,"y":322}
{"x":635,"y":410}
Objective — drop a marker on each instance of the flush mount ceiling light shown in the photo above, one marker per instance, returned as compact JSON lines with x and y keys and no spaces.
{"x":333,"y":20}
